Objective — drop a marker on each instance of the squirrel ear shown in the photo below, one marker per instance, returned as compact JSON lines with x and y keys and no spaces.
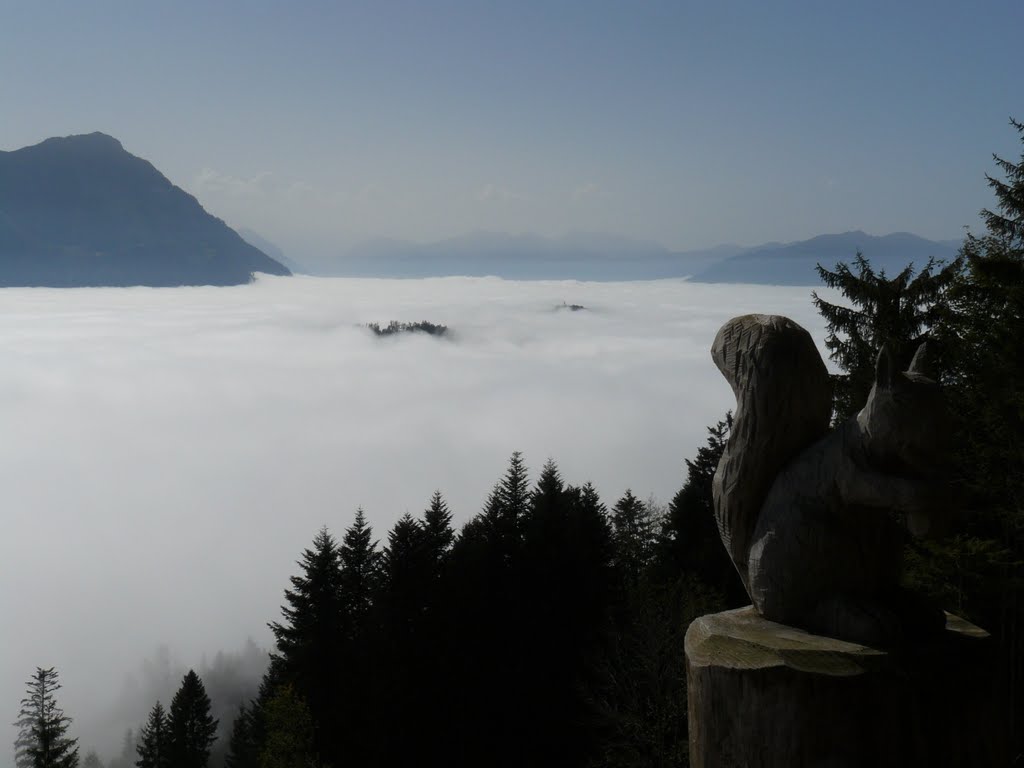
{"x":884,"y":367}
{"x":921,"y":363}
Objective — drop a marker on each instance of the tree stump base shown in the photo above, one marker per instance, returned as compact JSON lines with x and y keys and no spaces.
{"x":764,"y":695}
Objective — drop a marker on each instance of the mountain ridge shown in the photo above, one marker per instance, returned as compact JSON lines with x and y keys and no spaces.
{"x":593,"y":256}
{"x":82,"y":211}
{"x":795,"y":263}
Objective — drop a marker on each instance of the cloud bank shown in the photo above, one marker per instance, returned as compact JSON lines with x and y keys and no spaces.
{"x":168,"y":453}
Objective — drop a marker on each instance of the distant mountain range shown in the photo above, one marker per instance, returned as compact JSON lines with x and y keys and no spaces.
{"x":794,"y":263}
{"x":587,"y":256}
{"x":81,"y":211}
{"x":576,"y":256}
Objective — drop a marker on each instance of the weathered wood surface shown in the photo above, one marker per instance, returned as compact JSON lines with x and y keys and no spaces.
{"x":764,"y":695}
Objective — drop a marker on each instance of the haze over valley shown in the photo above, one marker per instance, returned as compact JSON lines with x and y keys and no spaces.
{"x":163,"y":442}
{"x":266,"y":269}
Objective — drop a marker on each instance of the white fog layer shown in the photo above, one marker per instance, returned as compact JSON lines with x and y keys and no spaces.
{"x":168,"y":453}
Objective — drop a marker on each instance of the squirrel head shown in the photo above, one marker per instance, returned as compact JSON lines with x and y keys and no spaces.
{"x":905,"y":422}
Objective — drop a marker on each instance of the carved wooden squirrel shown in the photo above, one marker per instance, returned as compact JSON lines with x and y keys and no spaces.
{"x":815,"y":519}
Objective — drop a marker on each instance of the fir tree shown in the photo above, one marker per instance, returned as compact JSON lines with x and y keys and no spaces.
{"x":981,"y":568}
{"x":243,"y":746}
{"x":43,"y":740}
{"x":359,"y":572}
{"x":92,"y":760}
{"x":1006,"y":223}
{"x":154,"y":748}
{"x":898,"y":312}
{"x":514,"y":492}
{"x":190,"y":727}
{"x":437,"y":528}
{"x":313,"y":613}
{"x":347,"y":735}
{"x":506,"y":508}
{"x":566,"y":570}
{"x":633,"y":535}
{"x":310,"y":640}
{"x":404,"y":562}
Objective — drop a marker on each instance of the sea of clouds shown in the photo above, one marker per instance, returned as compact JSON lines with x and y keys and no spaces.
{"x":166,"y":454}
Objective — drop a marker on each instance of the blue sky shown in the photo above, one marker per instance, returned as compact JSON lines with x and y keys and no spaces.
{"x":692,"y":124}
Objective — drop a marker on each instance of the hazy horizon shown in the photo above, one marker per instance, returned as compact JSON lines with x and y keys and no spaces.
{"x":691,"y":125}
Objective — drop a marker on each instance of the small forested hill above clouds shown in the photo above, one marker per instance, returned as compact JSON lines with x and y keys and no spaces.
{"x":81,"y":211}
{"x":794,"y":263}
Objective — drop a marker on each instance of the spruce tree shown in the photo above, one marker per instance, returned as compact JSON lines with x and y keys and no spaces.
{"x":313,"y":614}
{"x":633,"y":535}
{"x":405,"y":560}
{"x":898,"y":312}
{"x":359,"y":561}
{"x":43,"y":740}
{"x":154,"y":747}
{"x":1006,"y":223}
{"x":981,"y":567}
{"x":437,"y":528}
{"x":506,"y":509}
{"x":243,"y":747}
{"x":514,"y":492}
{"x":566,"y":558}
{"x":310,"y":640}
{"x":190,"y":727}
{"x":350,"y":729}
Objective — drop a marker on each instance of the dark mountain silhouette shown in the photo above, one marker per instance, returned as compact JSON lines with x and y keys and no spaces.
{"x":81,"y":211}
{"x":794,"y":263}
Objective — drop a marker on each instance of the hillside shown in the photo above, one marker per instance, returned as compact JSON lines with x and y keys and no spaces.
{"x":794,"y":263}
{"x":81,"y":211}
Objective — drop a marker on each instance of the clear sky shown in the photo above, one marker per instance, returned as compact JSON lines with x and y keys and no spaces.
{"x":318,"y":125}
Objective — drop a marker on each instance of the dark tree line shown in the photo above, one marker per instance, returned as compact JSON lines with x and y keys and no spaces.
{"x":545,"y":632}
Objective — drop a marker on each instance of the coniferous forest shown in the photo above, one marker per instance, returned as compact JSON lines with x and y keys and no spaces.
{"x":548,"y":629}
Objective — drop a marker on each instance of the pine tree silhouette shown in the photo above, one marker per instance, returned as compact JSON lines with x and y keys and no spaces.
{"x":154,"y":740}
{"x":43,"y":740}
{"x":311,"y":640}
{"x":191,"y":728}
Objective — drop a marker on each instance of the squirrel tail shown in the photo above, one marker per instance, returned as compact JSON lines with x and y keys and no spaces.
{"x":783,"y":404}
